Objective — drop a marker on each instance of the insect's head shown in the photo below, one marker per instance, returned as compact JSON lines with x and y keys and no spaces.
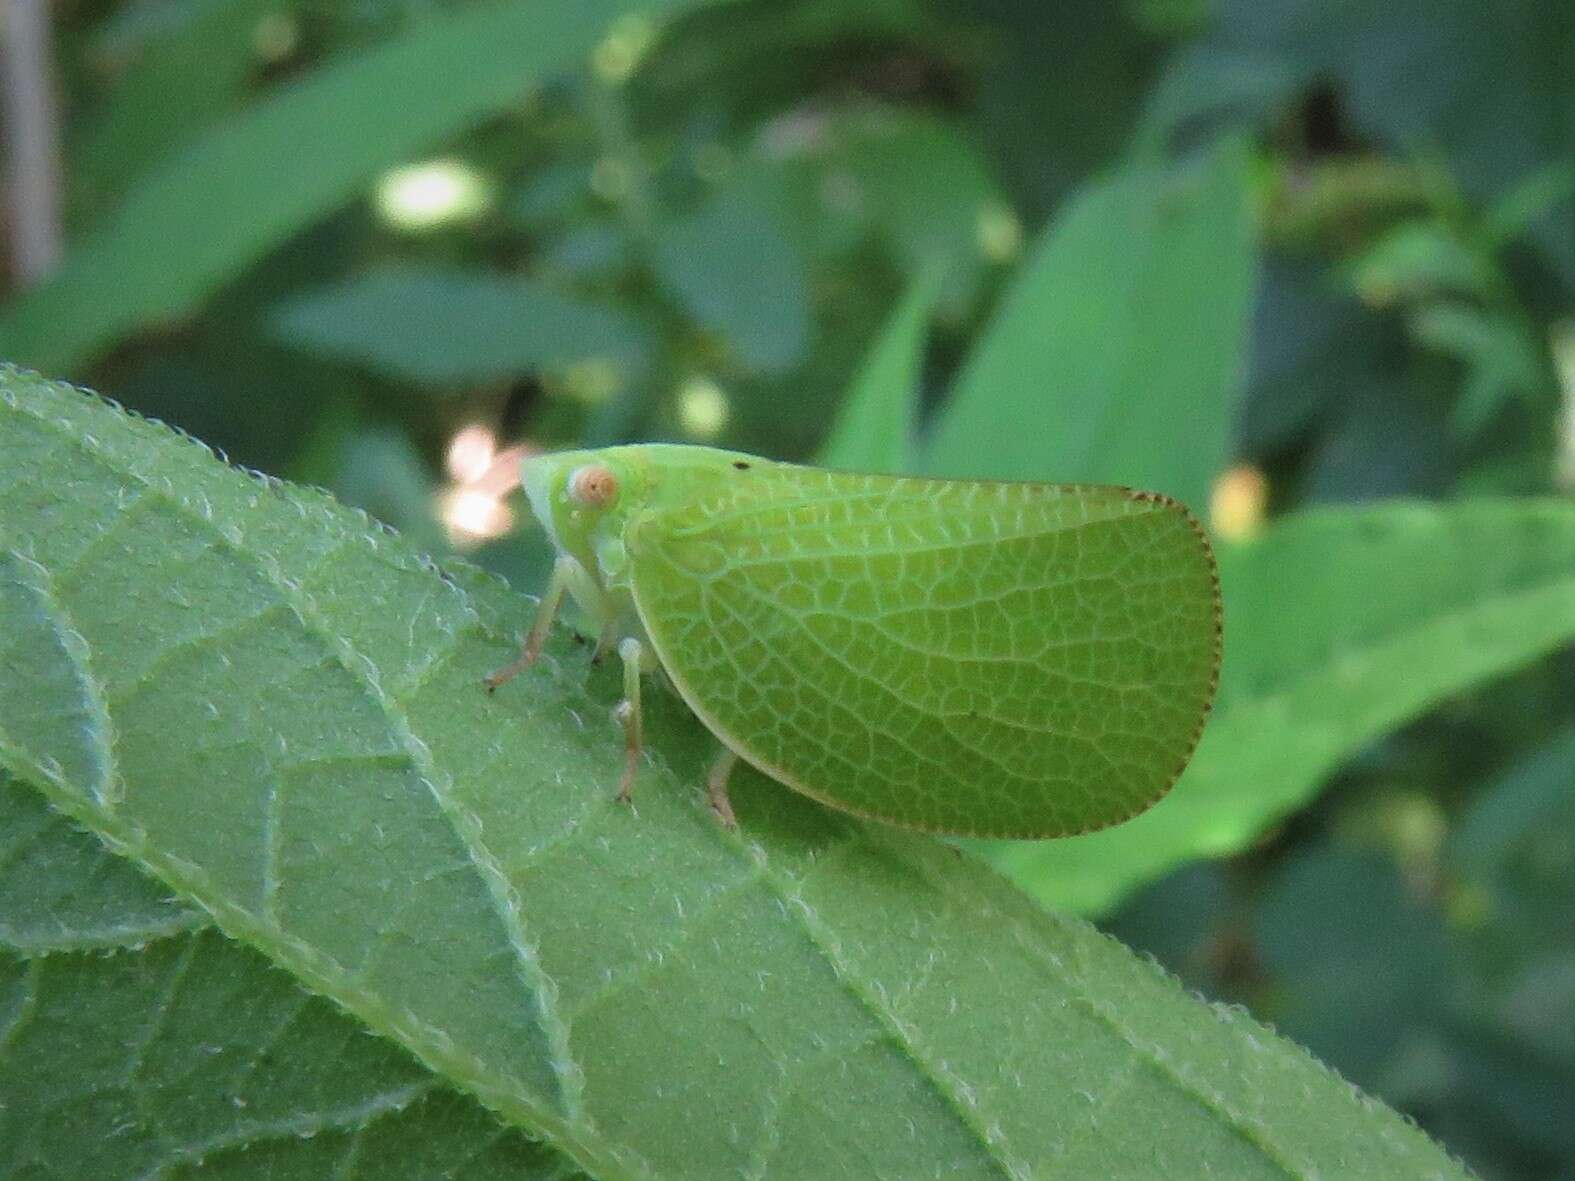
{"x":577,"y":495}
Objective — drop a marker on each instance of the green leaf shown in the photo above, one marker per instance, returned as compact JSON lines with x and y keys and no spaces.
{"x":733,"y":267}
{"x":276,"y":710}
{"x":1116,"y":354}
{"x":1435,"y":73}
{"x":1418,"y":259}
{"x":1524,"y":803}
{"x":875,"y":429}
{"x":1339,"y":626}
{"x":1512,"y":894}
{"x":447,"y":326}
{"x":188,"y":67}
{"x":1202,"y":86}
{"x":1035,"y":85}
{"x":1531,"y":197}
{"x":1299,"y":378}
{"x":61,"y":892}
{"x":195,"y":222}
{"x":381,"y":470}
{"x":1359,"y":960}
{"x":1502,"y":359}
{"x":184,"y":1050}
{"x":917,"y":183}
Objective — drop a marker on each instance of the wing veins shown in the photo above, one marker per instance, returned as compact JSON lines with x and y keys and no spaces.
{"x":816,"y":740}
{"x":859,"y":549}
{"x":745,"y":507}
{"x":880,"y":685}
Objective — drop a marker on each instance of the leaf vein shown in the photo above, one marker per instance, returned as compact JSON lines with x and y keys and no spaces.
{"x":948,"y":1087}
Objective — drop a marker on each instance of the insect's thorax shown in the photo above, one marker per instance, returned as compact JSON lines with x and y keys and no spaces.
{"x":594,"y":525}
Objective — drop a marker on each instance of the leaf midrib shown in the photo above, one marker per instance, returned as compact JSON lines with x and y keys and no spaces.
{"x":935,"y":1076}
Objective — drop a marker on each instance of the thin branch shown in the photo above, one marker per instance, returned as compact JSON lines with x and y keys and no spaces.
{"x":32,"y":136}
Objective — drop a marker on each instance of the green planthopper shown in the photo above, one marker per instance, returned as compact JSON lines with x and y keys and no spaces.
{"x":967,"y":657}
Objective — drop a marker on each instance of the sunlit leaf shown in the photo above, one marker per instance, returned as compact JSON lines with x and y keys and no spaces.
{"x":276,"y":710}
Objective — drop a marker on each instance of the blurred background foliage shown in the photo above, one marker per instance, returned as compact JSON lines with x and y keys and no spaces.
{"x":1292,"y":260}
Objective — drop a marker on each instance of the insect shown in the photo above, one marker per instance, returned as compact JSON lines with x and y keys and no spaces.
{"x":963,"y":657}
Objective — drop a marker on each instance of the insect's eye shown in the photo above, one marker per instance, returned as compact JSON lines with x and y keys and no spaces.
{"x":593,"y":486}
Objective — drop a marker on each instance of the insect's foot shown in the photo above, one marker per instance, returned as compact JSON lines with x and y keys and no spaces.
{"x":716,"y":788}
{"x":604,"y":645}
{"x":626,"y":784}
{"x":723,"y":810}
{"x":623,"y":714}
{"x":508,"y":672}
{"x":494,"y":681}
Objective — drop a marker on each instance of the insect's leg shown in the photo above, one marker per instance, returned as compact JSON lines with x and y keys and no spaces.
{"x":546,"y":611}
{"x":630,"y":650}
{"x":604,"y":644}
{"x":716,"y":788}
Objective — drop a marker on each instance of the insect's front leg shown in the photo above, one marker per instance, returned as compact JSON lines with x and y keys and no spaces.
{"x":546,"y":612}
{"x":610,"y":609}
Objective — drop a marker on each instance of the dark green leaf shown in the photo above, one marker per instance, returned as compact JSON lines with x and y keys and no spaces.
{"x":1436,"y":73}
{"x":187,"y":74}
{"x":1360,"y":961}
{"x":1045,"y":62}
{"x":454,"y":327}
{"x":732,"y":266}
{"x":1528,"y":799}
{"x":185,"y":1054}
{"x":194,"y":223}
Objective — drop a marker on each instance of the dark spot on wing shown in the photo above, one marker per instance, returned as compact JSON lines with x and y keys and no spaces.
{"x":741,"y":465}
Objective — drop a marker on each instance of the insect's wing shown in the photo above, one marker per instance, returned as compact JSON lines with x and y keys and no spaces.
{"x":1024,"y":660}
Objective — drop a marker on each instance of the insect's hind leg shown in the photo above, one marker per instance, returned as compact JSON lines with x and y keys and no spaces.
{"x":716,"y":788}
{"x":629,"y":715}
